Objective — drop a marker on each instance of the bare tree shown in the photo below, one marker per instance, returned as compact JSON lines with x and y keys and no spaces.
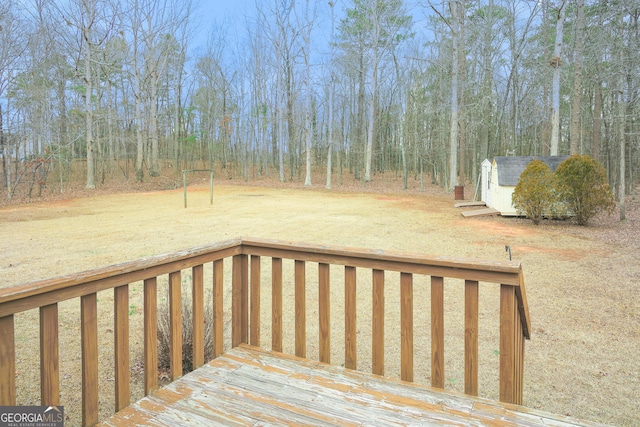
{"x":331,"y":98}
{"x":307,"y":26}
{"x":556,"y":63}
{"x":455,"y":80}
{"x":577,"y":81}
{"x":12,"y":45}
{"x":94,"y":21}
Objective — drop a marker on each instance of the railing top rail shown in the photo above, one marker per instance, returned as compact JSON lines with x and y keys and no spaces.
{"x":14,"y":299}
{"x":344,"y":252}
{"x":26,"y":296}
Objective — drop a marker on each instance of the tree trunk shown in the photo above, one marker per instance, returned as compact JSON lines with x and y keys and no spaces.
{"x":371,"y":131}
{"x":88,"y":109}
{"x":331,"y":110}
{"x":556,"y":63}
{"x":461,"y":106}
{"x":153,"y":124}
{"x":486,"y":83}
{"x":577,"y":82}
{"x":597,"y":119}
{"x":307,"y":103}
{"x":455,"y":72}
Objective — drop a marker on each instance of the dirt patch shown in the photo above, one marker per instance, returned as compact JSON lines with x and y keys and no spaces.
{"x":582,"y":359}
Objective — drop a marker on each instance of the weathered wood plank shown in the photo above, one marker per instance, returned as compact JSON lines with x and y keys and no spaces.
{"x":300,"y":309}
{"x":89,"y":344}
{"x":150,"y":335}
{"x":437,"y":332}
{"x":197,"y":310}
{"x":350,"y":312}
{"x":218,"y":308}
{"x":324,"y":312}
{"x":49,"y":362}
{"x":406,"y":326}
{"x":121,"y":346}
{"x":276,"y":304}
{"x":175,"y":321}
{"x":377,"y":332}
{"x":7,"y":362}
{"x":471,"y":338}
{"x":254,"y":321}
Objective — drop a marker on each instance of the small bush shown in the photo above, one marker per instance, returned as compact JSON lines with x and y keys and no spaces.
{"x":164,"y":328}
{"x":581,"y":182}
{"x":534,"y":195}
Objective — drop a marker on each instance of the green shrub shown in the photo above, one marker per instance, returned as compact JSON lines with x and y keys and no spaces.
{"x":534,"y":194}
{"x":581,"y":182}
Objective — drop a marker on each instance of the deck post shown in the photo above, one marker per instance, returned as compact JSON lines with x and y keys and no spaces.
{"x":7,"y":362}
{"x":511,"y":347}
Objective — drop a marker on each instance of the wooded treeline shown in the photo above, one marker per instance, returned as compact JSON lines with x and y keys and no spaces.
{"x":358,"y":87}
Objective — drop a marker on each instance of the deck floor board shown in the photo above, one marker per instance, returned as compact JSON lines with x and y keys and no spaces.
{"x":247,"y":386}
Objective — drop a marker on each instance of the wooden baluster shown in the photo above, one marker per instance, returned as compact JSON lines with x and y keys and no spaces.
{"x":121,"y":346}
{"x":508,"y":313}
{"x":218,"y":311}
{"x":197,"y":301}
{"x":377,"y":333}
{"x":324,"y":312}
{"x":49,"y":361}
{"x":471,"y":337}
{"x":254,"y":335}
{"x":406,"y":327}
{"x":300,"y":309}
{"x":175,"y":320}
{"x":276,"y":304}
{"x":150,"y":335}
{"x":437,"y":332}
{"x":89,"y":344}
{"x":7,"y":361}
{"x":350,"y":346}
{"x":239,"y":301}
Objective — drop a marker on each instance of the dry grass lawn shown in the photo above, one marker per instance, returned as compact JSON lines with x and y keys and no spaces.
{"x":582,"y":283}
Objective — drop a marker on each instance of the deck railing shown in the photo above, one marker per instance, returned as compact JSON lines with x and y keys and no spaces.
{"x":247,"y":284}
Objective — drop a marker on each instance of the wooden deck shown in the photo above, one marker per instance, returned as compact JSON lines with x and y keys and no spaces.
{"x":249,"y":386}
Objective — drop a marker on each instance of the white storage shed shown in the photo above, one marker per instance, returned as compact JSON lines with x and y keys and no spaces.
{"x":500,"y":177}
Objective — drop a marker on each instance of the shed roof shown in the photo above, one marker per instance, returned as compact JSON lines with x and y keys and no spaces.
{"x":510,"y":167}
